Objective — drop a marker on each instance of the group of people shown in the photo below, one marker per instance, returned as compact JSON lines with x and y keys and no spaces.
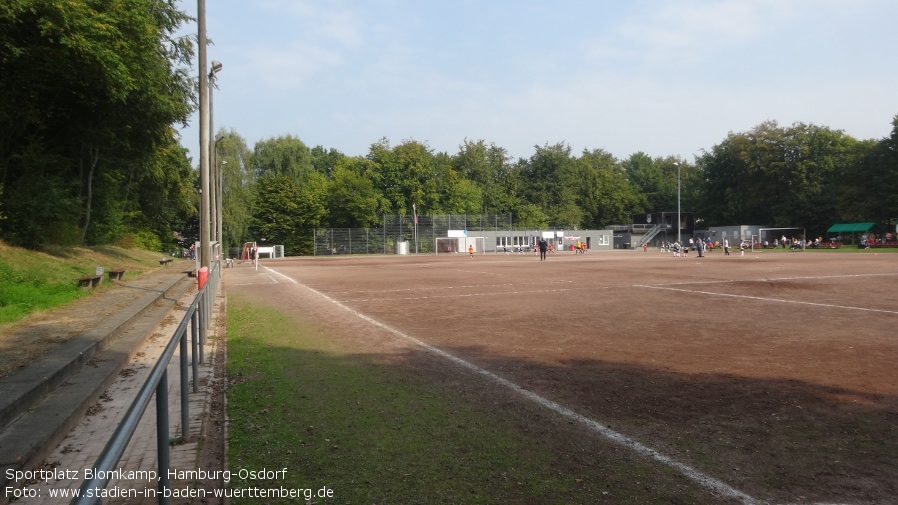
{"x":543,"y":247}
{"x":698,"y":245}
{"x":518,"y":249}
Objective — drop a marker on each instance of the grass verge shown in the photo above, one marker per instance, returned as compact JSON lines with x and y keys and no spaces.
{"x":32,"y":281}
{"x":370,"y":431}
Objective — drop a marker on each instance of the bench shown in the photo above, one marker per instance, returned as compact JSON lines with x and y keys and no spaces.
{"x":116,"y":275}
{"x":877,"y":244}
{"x":165,"y":261}
{"x":90,"y":281}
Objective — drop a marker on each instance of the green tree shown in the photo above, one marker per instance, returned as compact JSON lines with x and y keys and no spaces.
{"x":648,"y":179}
{"x":312,"y":211}
{"x":457,"y":194}
{"x":489,"y":168}
{"x":325,"y":160}
{"x":159,"y":194}
{"x":238,"y":187}
{"x":91,"y":90}
{"x":546,"y":181}
{"x":602,"y":190}
{"x":404,"y":175}
{"x":530,"y":215}
{"x":353,"y":201}
{"x":869,"y":189}
{"x":282,"y":167}
{"x":384,"y":173}
{"x":285,"y":155}
{"x":277,"y":215}
{"x":780,"y":176}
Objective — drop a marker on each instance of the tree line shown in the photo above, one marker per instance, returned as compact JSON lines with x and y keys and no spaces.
{"x":798,"y":175}
{"x":89,"y":155}
{"x":91,"y":93}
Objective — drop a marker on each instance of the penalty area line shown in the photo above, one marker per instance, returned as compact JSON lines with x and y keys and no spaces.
{"x":692,"y":474}
{"x":765,"y":299}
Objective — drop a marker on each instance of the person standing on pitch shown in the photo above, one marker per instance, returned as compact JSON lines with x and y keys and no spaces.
{"x":471,"y":251}
{"x":543,"y":247}
{"x":726,"y":247}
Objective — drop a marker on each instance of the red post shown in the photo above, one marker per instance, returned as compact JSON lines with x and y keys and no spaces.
{"x":202,"y":275}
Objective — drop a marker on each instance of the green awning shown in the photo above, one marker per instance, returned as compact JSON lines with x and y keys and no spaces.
{"x":852,"y":228}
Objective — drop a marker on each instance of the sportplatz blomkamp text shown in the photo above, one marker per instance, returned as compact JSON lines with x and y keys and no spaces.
{"x":57,"y":474}
{"x":150,"y":476}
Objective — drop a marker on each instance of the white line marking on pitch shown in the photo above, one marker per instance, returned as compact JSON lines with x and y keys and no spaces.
{"x":471,"y":286}
{"x":460,"y":295}
{"x":796,"y":278}
{"x":691,"y":473}
{"x":765,"y":299}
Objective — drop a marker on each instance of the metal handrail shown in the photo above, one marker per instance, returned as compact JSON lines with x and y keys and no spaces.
{"x":198,"y":314}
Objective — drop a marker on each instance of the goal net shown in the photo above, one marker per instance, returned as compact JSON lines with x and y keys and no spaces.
{"x":773,"y":237}
{"x":443,"y":245}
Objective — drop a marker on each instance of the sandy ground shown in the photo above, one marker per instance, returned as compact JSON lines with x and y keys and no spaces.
{"x":772,"y":372}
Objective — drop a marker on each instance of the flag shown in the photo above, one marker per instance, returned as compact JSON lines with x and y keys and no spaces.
{"x":415,"y":213}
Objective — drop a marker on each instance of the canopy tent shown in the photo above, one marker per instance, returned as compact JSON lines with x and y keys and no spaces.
{"x":854,"y":228}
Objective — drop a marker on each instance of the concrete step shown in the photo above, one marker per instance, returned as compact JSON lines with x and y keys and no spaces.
{"x":40,"y":403}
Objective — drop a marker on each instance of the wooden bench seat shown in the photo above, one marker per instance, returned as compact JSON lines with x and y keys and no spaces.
{"x":165,"y":261}
{"x":90,"y":281}
{"x":116,"y":275}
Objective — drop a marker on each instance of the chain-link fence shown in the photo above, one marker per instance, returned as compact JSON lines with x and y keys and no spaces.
{"x":398,"y":231}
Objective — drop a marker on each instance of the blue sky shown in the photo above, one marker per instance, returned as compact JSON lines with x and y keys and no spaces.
{"x":662,"y":77}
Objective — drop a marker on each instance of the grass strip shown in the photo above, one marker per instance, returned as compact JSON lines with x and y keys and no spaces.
{"x":372,"y":433}
{"x":32,"y":281}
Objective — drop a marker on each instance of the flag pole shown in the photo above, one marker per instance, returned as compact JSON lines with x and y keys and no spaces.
{"x":415,"y":214}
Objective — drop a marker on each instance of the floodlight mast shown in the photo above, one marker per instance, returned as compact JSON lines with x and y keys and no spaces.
{"x":205,"y":208}
{"x":679,"y":221}
{"x":214,"y":168}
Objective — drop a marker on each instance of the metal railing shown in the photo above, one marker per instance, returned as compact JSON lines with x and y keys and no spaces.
{"x":649,"y":235}
{"x":199,"y":313}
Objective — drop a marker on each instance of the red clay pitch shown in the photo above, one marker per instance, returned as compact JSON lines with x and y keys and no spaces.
{"x":774,"y":372}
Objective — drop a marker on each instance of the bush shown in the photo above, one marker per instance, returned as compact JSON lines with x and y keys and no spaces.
{"x":144,"y":239}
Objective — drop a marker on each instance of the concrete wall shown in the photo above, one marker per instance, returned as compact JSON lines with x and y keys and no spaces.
{"x":734,"y":233}
{"x":597,"y":240}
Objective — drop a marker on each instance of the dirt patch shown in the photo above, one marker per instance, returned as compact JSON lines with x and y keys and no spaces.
{"x":33,"y":337}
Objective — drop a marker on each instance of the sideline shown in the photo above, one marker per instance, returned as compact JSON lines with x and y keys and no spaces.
{"x":702,"y":479}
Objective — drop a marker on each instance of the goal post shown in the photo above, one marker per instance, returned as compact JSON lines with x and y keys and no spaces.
{"x":453,"y":245}
{"x":771,"y":234}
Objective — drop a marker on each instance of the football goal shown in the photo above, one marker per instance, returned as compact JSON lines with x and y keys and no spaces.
{"x":453,"y":245}
{"x":795,"y":237}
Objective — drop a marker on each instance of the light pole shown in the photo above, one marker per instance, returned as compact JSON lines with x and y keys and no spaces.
{"x":679,"y":241}
{"x":216,"y":189}
{"x":215,"y":205}
{"x":215,"y":198}
{"x":205,"y":249}
{"x":220,"y":202}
